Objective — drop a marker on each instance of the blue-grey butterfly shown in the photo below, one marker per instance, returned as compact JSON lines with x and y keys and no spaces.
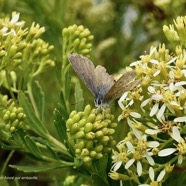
{"x":102,"y":85}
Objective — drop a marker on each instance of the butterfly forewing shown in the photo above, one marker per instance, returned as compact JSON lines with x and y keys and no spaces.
{"x":85,"y":70}
{"x":124,"y":84}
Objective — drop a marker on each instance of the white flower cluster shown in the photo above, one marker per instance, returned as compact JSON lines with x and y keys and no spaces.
{"x":156,"y":114}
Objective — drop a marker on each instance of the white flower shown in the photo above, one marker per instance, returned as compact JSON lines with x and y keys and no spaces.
{"x":140,"y":151}
{"x":152,"y":175}
{"x":180,"y":147}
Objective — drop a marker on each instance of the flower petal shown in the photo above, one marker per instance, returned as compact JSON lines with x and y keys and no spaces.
{"x":139,"y":168}
{"x":180,"y":119}
{"x":154,"y":109}
{"x":166,"y":152}
{"x":153,"y":144}
{"x":149,"y":159}
{"x":161,"y":175}
{"x":129,"y":163}
{"x":151,"y":173}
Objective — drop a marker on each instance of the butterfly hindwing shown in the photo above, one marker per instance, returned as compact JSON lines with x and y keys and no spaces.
{"x":124,"y":84}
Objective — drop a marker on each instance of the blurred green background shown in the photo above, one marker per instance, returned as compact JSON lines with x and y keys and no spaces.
{"x":123,"y":30}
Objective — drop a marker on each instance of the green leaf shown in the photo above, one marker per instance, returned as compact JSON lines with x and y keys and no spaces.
{"x":62,"y":107}
{"x":67,"y":83}
{"x":60,"y":125}
{"x":39,"y":99}
{"x":32,"y":147}
{"x":79,"y":100}
{"x":31,"y":119}
{"x":45,"y":167}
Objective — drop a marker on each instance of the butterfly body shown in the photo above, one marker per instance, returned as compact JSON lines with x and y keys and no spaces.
{"x":102,"y":85}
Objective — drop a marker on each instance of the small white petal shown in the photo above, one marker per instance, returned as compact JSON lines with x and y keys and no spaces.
{"x":144,"y":103}
{"x":137,"y":133}
{"x":180,"y":159}
{"x":15,"y":18}
{"x":156,"y":62}
{"x":180,"y":83}
{"x":154,"y":109}
{"x":161,"y":111}
{"x":135,"y":63}
{"x":149,"y":159}
{"x":180,"y":119}
{"x":166,"y":152}
{"x":151,"y":89}
{"x":171,"y":86}
{"x":157,"y":97}
{"x":152,"y":50}
{"x":161,"y":175}
{"x":151,"y":173}
{"x":176,"y":134}
{"x":129,"y":163}
{"x":130,"y":147}
{"x":152,"y":132}
{"x":156,"y":73}
{"x":153,"y":144}
{"x":139,"y":168}
{"x":117,"y":165}
{"x":135,"y":115}
{"x":172,"y":60}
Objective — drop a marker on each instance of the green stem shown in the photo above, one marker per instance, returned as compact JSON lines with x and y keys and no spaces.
{"x":6,"y":162}
{"x":30,"y":94}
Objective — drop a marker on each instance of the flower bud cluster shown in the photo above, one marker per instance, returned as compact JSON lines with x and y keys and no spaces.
{"x":13,"y":117}
{"x":91,"y":133}
{"x":22,"y":45}
{"x":77,"y":39}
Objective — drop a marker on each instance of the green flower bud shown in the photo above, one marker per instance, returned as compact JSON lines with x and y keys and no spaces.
{"x":88,"y":127}
{"x":99,"y":117}
{"x":69,"y":123}
{"x":93,"y":154}
{"x":89,"y":144}
{"x":85,"y":152}
{"x":82,"y":122}
{"x":90,"y":136}
{"x":98,"y":156}
{"x":72,"y":113}
{"x":87,"y":110}
{"x":87,"y":159}
{"x":99,"y":134}
{"x":76,"y":118}
{"x":78,"y":151}
{"x":79,"y":134}
{"x":12,"y":116}
{"x":99,"y":148}
{"x":75,"y":128}
{"x":80,"y":144}
{"x":112,"y":125}
{"x":12,"y":129}
{"x":91,"y":118}
{"x":104,"y":139}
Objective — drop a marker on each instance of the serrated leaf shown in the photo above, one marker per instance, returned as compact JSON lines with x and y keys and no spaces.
{"x":39,"y":99}
{"x":60,"y":125}
{"x":31,"y":118}
{"x":32,"y":147}
{"x":63,"y":108}
{"x":79,"y":100}
{"x":37,"y":168}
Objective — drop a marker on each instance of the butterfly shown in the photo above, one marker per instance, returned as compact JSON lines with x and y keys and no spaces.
{"x":102,"y":85}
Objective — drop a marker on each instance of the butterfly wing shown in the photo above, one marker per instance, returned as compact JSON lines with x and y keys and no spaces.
{"x":124,"y":84}
{"x":104,"y":81}
{"x":85,"y":70}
